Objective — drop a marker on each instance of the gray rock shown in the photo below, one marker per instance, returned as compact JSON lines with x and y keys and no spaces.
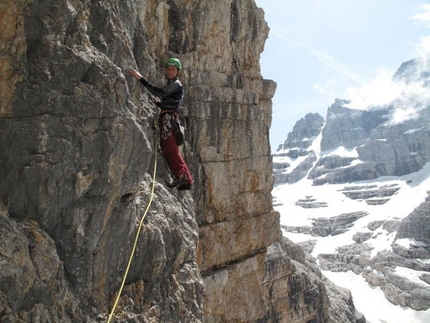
{"x":416,"y":225}
{"x":335,"y":225}
{"x":348,"y":127}
{"x":400,"y":290}
{"x":377,"y":148}
{"x":372,"y":226}
{"x":425,"y":278}
{"x":307,"y":246}
{"x":350,"y":257}
{"x":303,"y":133}
{"x":310,"y":203}
{"x":391,"y":225}
{"x":370,"y":191}
{"x":297,"y":229}
{"x":301,"y":170}
{"x":360,"y":237}
{"x":298,"y":141}
{"x":305,"y":286}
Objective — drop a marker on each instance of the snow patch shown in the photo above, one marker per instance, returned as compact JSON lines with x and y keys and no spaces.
{"x":368,"y":299}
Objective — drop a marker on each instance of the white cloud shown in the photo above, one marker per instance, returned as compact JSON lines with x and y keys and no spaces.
{"x":340,"y":68}
{"x":423,"y":47}
{"x":423,"y":16}
{"x":408,"y":99}
{"x":379,"y":92}
{"x":286,"y":39}
{"x":412,"y":99}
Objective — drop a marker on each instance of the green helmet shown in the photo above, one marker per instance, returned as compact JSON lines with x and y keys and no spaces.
{"x":174,"y":62}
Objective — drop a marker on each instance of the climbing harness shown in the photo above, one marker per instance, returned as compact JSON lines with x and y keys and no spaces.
{"x":140,"y":226}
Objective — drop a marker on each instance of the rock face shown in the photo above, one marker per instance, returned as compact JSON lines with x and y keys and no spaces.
{"x":360,"y":145}
{"x":335,"y":225}
{"x":76,"y":150}
{"x":415,"y":226}
{"x":296,"y":146}
{"x":77,"y":153}
{"x":298,"y":292}
{"x":409,"y":252}
{"x":354,"y":145}
{"x":380,"y":148}
{"x":304,"y":132}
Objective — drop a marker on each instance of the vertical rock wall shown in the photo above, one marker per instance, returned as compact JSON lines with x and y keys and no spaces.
{"x":77,"y":153}
{"x":76,"y":158}
{"x":12,"y":45}
{"x":229,"y":110}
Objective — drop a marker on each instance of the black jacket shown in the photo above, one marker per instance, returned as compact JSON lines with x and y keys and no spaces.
{"x":170,"y":95}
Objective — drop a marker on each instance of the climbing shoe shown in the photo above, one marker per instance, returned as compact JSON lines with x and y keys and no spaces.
{"x":178,"y":181}
{"x":184,"y":187}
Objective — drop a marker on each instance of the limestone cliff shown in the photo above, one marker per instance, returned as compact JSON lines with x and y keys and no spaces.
{"x":77,"y":152}
{"x":376,"y":154}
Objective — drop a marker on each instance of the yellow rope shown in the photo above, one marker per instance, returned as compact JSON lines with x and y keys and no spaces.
{"x":139,"y":229}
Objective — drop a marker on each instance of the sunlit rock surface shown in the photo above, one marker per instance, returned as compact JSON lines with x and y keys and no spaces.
{"x":77,"y":152}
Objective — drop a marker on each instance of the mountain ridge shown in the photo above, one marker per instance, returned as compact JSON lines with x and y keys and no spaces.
{"x":367,"y":160}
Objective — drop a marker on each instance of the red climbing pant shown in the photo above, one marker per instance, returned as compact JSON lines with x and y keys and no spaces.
{"x":170,"y":149}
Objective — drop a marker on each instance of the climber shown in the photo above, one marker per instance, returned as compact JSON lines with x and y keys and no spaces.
{"x":169,"y":99}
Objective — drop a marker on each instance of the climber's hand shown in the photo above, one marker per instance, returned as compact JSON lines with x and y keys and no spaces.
{"x":136,"y":74}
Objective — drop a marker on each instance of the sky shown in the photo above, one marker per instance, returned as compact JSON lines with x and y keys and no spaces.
{"x":320,"y":50}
